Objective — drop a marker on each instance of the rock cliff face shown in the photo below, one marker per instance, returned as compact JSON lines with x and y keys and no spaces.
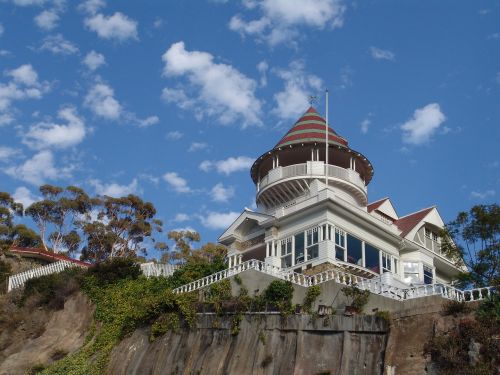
{"x":266,"y":344}
{"x":57,"y":334}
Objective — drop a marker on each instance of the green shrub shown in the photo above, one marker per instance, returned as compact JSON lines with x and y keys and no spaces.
{"x":386,"y":315}
{"x":489,"y":310}
{"x":114,"y":269}
{"x":166,"y":322}
{"x":312,"y":293}
{"x":279,"y":293}
{"x":455,"y":308}
{"x":5,"y":271}
{"x":358,"y":297}
{"x":52,"y":290}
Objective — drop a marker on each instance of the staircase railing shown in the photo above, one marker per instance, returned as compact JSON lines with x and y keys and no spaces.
{"x":18,"y":280}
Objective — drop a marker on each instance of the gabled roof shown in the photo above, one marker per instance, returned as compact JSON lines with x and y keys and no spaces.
{"x":374,"y":205}
{"x":310,"y":128}
{"x":408,"y":222}
{"x":385,"y":207}
{"x":48,"y":256}
{"x":245,"y":215}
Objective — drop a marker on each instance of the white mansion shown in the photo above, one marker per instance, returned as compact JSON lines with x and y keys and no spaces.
{"x":314,"y":215}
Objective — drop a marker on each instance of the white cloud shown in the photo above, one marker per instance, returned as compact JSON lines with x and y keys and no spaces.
{"x":382,"y":54}
{"x":7,"y":153}
{"x":4,"y":52}
{"x":218,"y":90}
{"x":197,"y":146}
{"x":424,"y":123}
{"x":94,"y":60}
{"x":24,"y":84}
{"x":38,"y":169}
{"x":100,"y":99}
{"x":218,"y":220}
{"x":293,"y":100}
{"x":58,"y":45}
{"x":174,"y":135}
{"x":482,"y":195}
{"x":118,"y":26}
{"x":365,"y":125}
{"x":2,"y":29}
{"x":227,"y":166}
{"x":181,"y":217}
{"x":23,"y":195}
{"x":262,"y":68}
{"x":24,"y":3}
{"x":220,"y":193}
{"x":176,"y":182}
{"x":498,"y":77}
{"x":50,"y":134}
{"x":281,"y":20}
{"x":143,"y":123}
{"x":47,"y":19}
{"x":91,"y":6}
{"x":25,"y":74}
{"x":113,"y":189}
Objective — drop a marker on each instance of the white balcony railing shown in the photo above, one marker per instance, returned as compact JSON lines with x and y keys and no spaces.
{"x":341,"y":277}
{"x":312,"y":170}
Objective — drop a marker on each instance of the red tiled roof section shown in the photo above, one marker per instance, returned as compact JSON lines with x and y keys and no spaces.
{"x":310,"y":128}
{"x":408,"y":222}
{"x":45,"y":255}
{"x":374,"y":205}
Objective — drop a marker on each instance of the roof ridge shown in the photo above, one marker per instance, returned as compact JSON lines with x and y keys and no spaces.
{"x":416,"y":212}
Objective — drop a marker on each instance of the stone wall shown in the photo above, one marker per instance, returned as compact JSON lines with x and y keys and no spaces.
{"x":266,"y":344}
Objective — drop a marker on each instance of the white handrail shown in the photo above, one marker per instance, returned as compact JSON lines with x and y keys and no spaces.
{"x":344,"y":278}
{"x":18,"y":280}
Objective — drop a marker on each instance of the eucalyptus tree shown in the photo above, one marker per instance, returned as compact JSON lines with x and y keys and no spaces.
{"x":473,"y":240}
{"x":122,"y":227}
{"x":59,"y":216}
{"x":12,"y":234}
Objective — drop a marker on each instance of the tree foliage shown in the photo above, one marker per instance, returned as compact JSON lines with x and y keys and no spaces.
{"x":473,"y":240}
{"x":121,"y":228}
{"x":12,"y":234}
{"x":57,"y":217}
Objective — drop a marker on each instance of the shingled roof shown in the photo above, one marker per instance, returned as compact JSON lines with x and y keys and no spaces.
{"x":310,"y":128}
{"x":408,"y":222}
{"x":374,"y":205}
{"x":48,"y":256}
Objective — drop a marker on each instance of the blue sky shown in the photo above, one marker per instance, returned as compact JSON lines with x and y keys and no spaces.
{"x":174,"y":100}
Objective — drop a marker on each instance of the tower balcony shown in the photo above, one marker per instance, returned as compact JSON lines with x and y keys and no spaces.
{"x":284,"y":184}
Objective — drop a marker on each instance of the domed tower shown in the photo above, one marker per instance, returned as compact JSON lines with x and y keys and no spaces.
{"x":285,"y":173}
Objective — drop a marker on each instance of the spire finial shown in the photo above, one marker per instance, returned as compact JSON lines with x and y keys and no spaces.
{"x":312,"y":99}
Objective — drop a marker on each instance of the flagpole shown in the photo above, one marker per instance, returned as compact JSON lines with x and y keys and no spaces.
{"x":326,"y":141}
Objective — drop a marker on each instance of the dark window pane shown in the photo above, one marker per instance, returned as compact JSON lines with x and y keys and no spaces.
{"x":299,"y":248}
{"x":372,"y":258}
{"x":312,"y":252}
{"x":339,"y":253}
{"x":286,"y":261}
{"x":353,"y":250}
{"x":427,"y":275}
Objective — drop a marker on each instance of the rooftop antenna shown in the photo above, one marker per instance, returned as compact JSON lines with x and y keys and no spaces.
{"x":326,"y":140}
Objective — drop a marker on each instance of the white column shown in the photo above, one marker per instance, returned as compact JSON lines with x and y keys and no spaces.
{"x":380,"y":271}
{"x":267,"y":249}
{"x":363,"y":258}
{"x":240,"y":258}
{"x":293,"y":251}
{"x":229,"y":261}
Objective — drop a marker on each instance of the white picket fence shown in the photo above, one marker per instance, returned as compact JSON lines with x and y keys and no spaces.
{"x":344,"y":278}
{"x":157,"y":269}
{"x":18,"y":280}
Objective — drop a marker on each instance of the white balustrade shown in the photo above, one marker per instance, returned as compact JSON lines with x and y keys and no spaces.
{"x":298,"y":170}
{"x":157,"y":269}
{"x":18,"y":280}
{"x":343,"y":278}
